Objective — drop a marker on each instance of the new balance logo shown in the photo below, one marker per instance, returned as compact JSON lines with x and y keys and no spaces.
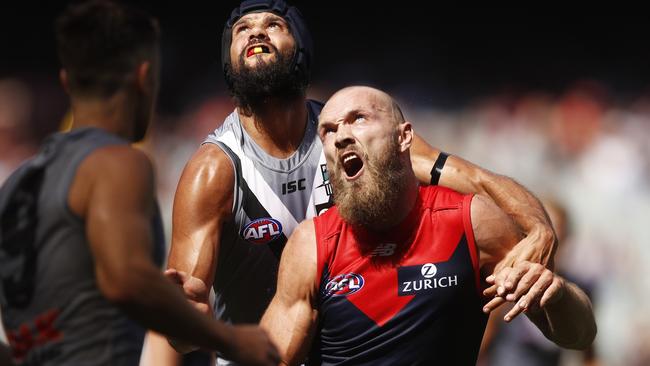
{"x":384,"y":250}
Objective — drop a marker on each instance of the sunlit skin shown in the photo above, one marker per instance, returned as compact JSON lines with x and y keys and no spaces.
{"x":267,"y":30}
{"x":357,"y":120}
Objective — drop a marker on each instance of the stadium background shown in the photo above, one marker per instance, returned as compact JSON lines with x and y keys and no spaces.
{"x":560,"y":102}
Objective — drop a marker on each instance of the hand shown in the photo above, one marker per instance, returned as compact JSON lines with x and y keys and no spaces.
{"x":195,"y":290}
{"x":197,"y":294}
{"x":538,"y":246}
{"x":533,"y":287}
{"x":252,"y":346}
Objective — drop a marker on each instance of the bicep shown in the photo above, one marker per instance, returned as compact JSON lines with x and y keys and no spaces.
{"x":456,"y":173}
{"x":202,"y":204}
{"x":423,"y":157}
{"x":292,"y":314}
{"x":494,"y":231}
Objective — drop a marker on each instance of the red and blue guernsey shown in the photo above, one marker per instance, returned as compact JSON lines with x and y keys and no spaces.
{"x":411,"y":296}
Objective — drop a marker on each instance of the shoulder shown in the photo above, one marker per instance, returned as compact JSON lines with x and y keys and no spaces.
{"x":206,"y":187}
{"x":121,"y":163}
{"x":438,"y":197}
{"x":209,"y":165}
{"x":301,"y":247}
{"x":328,"y":223}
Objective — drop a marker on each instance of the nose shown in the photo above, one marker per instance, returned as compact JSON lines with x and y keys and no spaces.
{"x":344,"y":136}
{"x":258,"y":32}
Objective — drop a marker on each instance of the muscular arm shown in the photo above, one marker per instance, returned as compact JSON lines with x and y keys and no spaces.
{"x":525,"y":209}
{"x":558,"y":308}
{"x":114,"y":194}
{"x":291,"y":317}
{"x":203,"y":202}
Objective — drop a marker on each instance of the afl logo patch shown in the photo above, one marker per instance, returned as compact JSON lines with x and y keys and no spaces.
{"x":262,"y":231}
{"x":343,"y":285}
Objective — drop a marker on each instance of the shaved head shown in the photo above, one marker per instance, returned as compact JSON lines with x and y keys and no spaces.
{"x":374,"y":98}
{"x":366,"y":143}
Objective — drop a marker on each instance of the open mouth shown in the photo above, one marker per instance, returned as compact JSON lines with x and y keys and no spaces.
{"x":352,"y":165}
{"x":257,"y":49}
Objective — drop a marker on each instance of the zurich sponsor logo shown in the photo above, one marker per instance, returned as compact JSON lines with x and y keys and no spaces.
{"x":426,"y":277}
{"x":343,"y":285}
{"x":428,"y":270}
{"x":262,"y":231}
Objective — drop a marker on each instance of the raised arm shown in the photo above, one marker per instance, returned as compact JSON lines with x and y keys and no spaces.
{"x":526,"y":210}
{"x":291,"y":317}
{"x":118,"y":205}
{"x":557,"y":307}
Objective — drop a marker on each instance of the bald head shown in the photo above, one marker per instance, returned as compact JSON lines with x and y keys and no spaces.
{"x":366,"y":143}
{"x":355,"y":98}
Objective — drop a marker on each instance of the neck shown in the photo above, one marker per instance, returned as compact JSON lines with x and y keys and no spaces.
{"x":115,"y":114}
{"x":277,"y":125}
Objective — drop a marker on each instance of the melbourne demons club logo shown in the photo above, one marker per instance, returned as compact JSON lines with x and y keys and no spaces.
{"x":262,"y":231}
{"x":343,"y":285}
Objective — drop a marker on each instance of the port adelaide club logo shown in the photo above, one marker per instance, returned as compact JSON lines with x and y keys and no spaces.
{"x":262,"y":231}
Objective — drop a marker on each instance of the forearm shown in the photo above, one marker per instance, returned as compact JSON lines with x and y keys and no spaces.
{"x":291,"y":328}
{"x":516,"y":201}
{"x":463,"y":176}
{"x":569,"y":322}
{"x":159,"y":305}
{"x":157,"y":352}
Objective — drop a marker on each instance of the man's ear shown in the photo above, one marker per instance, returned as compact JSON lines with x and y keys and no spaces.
{"x":405,"y":135}
{"x":63,"y":78}
{"x":143,"y":77}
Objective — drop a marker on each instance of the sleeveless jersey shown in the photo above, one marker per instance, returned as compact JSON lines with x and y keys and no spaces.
{"x":52,"y":309}
{"x":407,"y":297}
{"x":271,"y":196}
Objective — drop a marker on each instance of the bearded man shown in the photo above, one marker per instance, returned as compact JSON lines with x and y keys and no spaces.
{"x":393,"y":273}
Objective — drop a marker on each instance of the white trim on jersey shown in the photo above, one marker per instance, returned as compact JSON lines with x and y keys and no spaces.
{"x":316,"y":194}
{"x":260,"y":188}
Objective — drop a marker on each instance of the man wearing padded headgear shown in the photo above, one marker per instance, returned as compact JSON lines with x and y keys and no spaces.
{"x":262,"y":172}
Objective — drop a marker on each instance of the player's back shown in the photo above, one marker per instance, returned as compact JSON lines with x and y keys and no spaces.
{"x":52,"y":308}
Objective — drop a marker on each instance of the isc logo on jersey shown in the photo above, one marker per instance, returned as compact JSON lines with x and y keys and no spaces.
{"x":262,"y":231}
{"x":343,"y":285}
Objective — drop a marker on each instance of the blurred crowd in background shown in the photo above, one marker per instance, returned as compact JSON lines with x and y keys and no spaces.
{"x":583,"y":149}
{"x":585,"y":145}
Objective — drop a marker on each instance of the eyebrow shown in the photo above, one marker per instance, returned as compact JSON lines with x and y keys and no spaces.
{"x":347,"y":115}
{"x":266,"y":18}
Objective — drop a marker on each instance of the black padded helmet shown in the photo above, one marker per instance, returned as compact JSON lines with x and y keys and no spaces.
{"x":304,"y":46}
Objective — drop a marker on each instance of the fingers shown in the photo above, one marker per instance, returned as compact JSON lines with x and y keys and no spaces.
{"x":490,"y":291}
{"x":511,"y":281}
{"x":526,"y":280}
{"x":499,"y":280}
{"x":536,"y":291}
{"x":493,"y":304}
{"x":178,"y":277}
{"x":553,"y":293}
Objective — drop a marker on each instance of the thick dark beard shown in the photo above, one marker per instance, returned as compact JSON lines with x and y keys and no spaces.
{"x":371,"y":202}
{"x":251,"y":88}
